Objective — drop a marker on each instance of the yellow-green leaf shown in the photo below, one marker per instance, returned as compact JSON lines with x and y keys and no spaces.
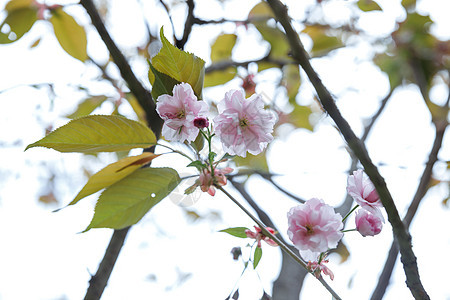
{"x":323,"y":43}
{"x":87,"y":106}
{"x":408,"y":3}
{"x":113,"y":173}
{"x":137,"y":108}
{"x":253,"y":162}
{"x":299,"y":117}
{"x":220,"y":77}
{"x":368,"y":5}
{"x":180,"y":65}
{"x":71,"y":36}
{"x":20,"y":21}
{"x":222,"y":47}
{"x":98,"y":133}
{"x":125,"y":202}
{"x":18,"y":4}
{"x":279,"y":46}
{"x":291,"y":81}
{"x":260,"y":11}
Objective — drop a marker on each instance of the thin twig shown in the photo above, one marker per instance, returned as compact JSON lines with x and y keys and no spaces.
{"x":280,"y":243}
{"x":399,"y":230}
{"x":375,"y":117}
{"x":170,"y":17}
{"x":222,"y":65}
{"x":268,"y":177}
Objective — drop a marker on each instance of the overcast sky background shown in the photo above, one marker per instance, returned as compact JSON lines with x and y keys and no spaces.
{"x":43,"y":256}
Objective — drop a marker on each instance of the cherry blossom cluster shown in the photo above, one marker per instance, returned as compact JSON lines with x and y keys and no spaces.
{"x":315,"y":228}
{"x":242,"y":125}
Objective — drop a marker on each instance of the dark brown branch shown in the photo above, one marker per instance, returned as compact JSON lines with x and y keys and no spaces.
{"x":422,"y":188}
{"x":187,"y":25}
{"x":142,"y":95}
{"x":99,"y":280}
{"x":400,"y":232}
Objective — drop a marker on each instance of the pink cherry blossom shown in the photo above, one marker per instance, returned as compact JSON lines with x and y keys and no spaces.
{"x":368,"y":224}
{"x":206,"y":181}
{"x":362,"y":190}
{"x":243,"y":124}
{"x":259,"y":236}
{"x":314,"y":226}
{"x":179,"y":111}
{"x":317,"y":268}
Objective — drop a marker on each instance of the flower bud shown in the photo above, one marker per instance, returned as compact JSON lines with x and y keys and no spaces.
{"x":368,"y":224}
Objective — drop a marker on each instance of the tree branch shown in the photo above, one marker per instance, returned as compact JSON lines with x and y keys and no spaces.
{"x":142,"y":95}
{"x":98,"y":282}
{"x":399,"y":230}
{"x":187,"y":25}
{"x":422,"y":188}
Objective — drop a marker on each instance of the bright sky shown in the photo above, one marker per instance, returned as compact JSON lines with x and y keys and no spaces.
{"x":43,"y":256}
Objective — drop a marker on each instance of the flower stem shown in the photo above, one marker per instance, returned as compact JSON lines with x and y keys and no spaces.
{"x":350,"y":212}
{"x":280,"y":243}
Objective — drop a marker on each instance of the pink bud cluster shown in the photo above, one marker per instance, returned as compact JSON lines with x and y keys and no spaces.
{"x":259,"y":236}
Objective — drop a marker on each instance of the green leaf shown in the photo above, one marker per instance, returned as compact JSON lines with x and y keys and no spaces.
{"x":236,"y":231}
{"x":71,"y":36}
{"x":20,"y":20}
{"x":180,"y":65}
{"x":291,"y":81}
{"x":98,"y":133}
{"x":161,"y":83}
{"x":87,"y":106}
{"x":198,"y":164}
{"x":199,"y":143}
{"x":299,"y":117}
{"x":368,"y":5}
{"x":113,"y":173}
{"x":257,"y":257}
{"x":211,"y":156}
{"x":125,"y":202}
{"x":222,"y":47}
